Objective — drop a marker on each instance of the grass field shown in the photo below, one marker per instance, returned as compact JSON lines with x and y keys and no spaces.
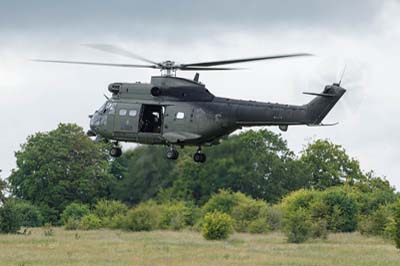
{"x":107,"y":247}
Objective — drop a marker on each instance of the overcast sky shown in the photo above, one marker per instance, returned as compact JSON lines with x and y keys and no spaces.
{"x":364,"y":35}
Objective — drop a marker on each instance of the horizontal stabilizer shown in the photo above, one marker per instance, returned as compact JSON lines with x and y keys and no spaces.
{"x":320,"y":94}
{"x":323,"y":125}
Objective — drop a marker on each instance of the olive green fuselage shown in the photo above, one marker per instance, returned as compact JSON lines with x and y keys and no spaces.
{"x":186,"y":113}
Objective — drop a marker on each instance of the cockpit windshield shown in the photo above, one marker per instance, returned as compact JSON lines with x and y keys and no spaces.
{"x":102,"y":108}
{"x":107,"y":107}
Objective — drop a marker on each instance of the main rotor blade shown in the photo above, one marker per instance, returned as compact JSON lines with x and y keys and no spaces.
{"x":93,"y":63}
{"x":234,"y":61}
{"x":207,"y":68}
{"x":119,"y":51}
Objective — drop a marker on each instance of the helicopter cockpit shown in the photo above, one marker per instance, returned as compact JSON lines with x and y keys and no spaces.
{"x":99,"y":117}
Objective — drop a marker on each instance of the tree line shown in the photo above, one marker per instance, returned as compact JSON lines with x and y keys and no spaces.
{"x":62,"y":167}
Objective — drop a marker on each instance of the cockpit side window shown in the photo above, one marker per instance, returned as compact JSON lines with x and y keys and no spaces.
{"x":122,"y":112}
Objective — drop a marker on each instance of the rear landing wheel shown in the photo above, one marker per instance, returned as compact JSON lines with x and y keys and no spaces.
{"x":115,"y":152}
{"x":172,"y":154}
{"x":199,"y":157}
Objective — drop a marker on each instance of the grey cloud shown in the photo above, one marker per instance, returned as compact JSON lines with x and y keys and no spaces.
{"x":132,"y":17}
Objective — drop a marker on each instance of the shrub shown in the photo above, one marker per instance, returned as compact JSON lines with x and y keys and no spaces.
{"x":396,"y":230}
{"x":116,"y":222}
{"x":243,"y":209}
{"x":319,"y":229}
{"x":111,"y":212}
{"x":90,"y":222}
{"x":247,"y":211}
{"x":144,"y":217}
{"x":274,"y":218}
{"x":223,"y":201}
{"x":299,"y":199}
{"x":175,"y":216}
{"x":28,"y":214}
{"x":72,"y":224}
{"x":258,"y":226}
{"x":297,"y":226}
{"x":375,"y":223}
{"x":217,"y":225}
{"x":74,"y":211}
{"x":340,"y":210}
{"x":10,"y":220}
{"x":110,"y":208}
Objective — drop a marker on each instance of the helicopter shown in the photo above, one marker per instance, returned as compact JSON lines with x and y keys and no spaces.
{"x":178,"y":112}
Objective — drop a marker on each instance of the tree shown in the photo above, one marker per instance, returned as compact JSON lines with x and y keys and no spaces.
{"x":3,"y":187}
{"x":141,"y":173}
{"x":59,"y":167}
{"x":329,"y":165}
{"x":257,"y":163}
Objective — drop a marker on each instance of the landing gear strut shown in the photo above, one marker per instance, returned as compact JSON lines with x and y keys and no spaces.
{"x":172,"y":153}
{"x":199,"y":157}
{"x":115,"y":151}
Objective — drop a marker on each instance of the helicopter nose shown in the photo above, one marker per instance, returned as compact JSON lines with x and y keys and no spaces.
{"x":90,"y":133}
{"x":94,"y":122}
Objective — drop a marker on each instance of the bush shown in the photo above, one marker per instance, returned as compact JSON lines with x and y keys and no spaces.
{"x":223,"y":201}
{"x":17,"y":213}
{"x":110,"y":208}
{"x":175,"y":216}
{"x":111,"y":213}
{"x":116,"y":222}
{"x":319,"y":229}
{"x":30,"y":215}
{"x":243,"y":209}
{"x":375,"y":223}
{"x":90,"y":222}
{"x":72,"y":224}
{"x":274,"y":218}
{"x":247,"y":211}
{"x":258,"y":226}
{"x":340,"y":210}
{"x":217,"y":225}
{"x":74,"y":211}
{"x":299,"y":199}
{"x":10,"y":219}
{"x":144,"y":217}
{"x":396,"y":230}
{"x":297,"y":226}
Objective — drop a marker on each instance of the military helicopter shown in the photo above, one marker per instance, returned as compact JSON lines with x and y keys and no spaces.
{"x":176,"y":111}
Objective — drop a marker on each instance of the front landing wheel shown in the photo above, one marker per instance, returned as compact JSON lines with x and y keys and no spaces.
{"x":115,"y":152}
{"x":172,"y":154}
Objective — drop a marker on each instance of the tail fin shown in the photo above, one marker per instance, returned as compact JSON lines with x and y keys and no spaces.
{"x":320,"y":106}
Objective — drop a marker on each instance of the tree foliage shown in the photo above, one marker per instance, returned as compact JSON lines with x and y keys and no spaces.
{"x":257,"y":163}
{"x":329,"y":165}
{"x":217,"y":226}
{"x":59,"y":167}
{"x":3,"y":187}
{"x":397,"y":224}
{"x":141,"y":173}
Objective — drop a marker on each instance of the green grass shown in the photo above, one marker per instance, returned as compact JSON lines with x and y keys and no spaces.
{"x":107,"y":247}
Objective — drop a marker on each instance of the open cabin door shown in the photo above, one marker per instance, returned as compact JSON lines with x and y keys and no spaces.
{"x":151,"y":122}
